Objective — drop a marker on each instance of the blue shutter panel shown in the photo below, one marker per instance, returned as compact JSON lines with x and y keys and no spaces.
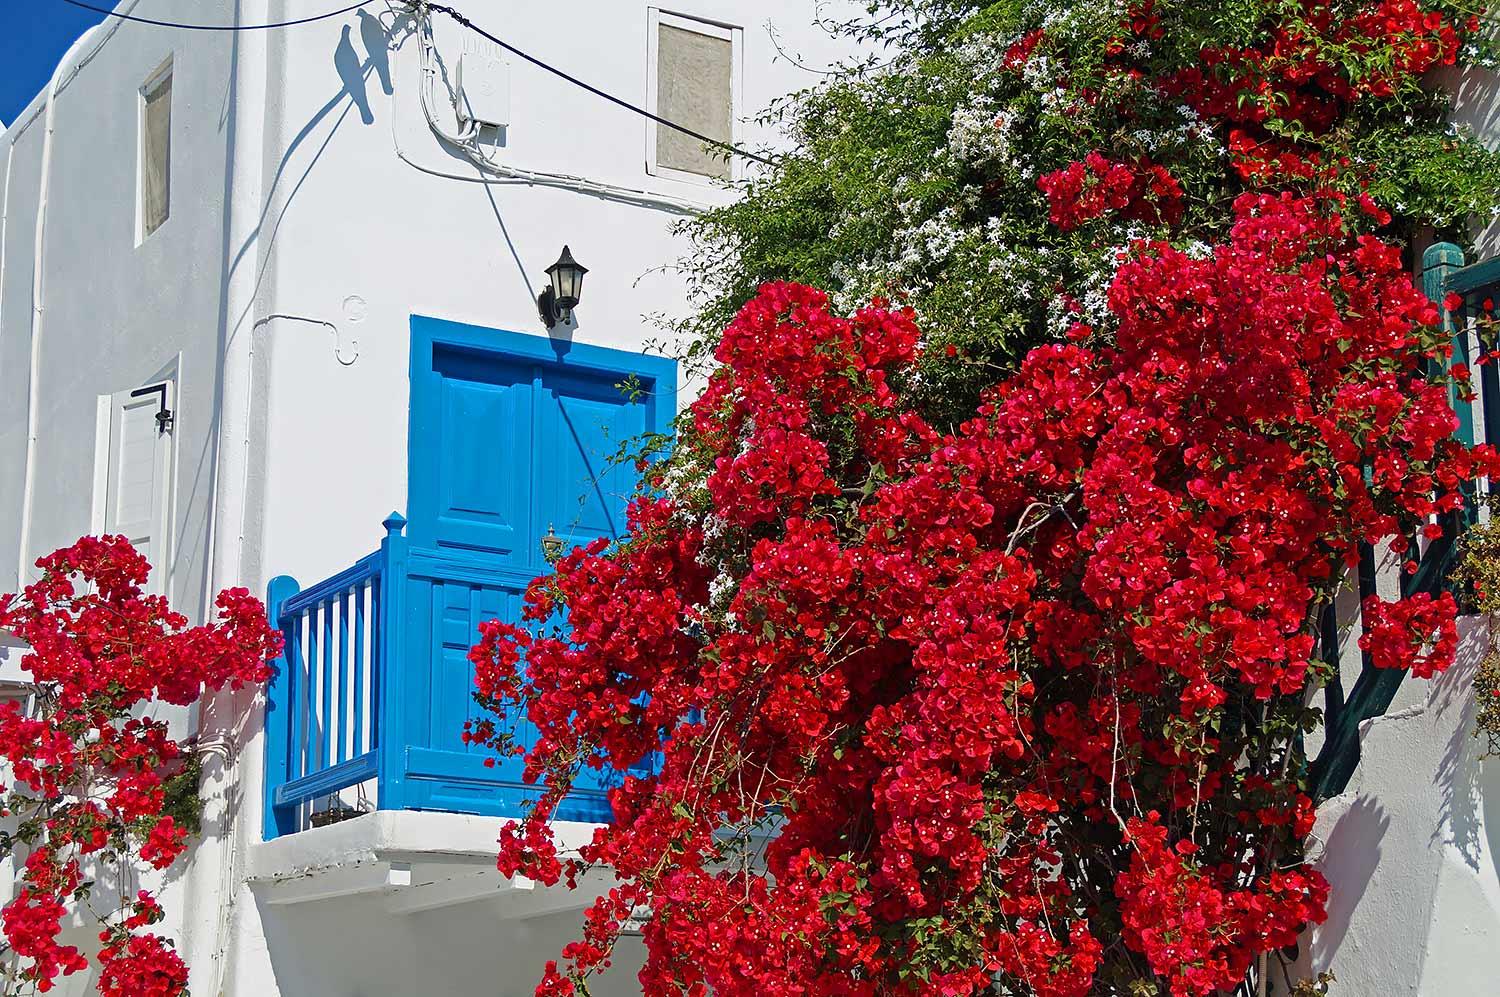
{"x":582,"y":489}
{"x":472,"y":486}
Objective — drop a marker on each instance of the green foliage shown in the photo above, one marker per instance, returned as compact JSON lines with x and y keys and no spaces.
{"x":916,"y":179}
{"x":1479,"y":573}
{"x":1426,"y":169}
{"x":183,"y":803}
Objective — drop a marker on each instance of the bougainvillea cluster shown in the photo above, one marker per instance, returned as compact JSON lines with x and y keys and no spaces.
{"x":1003,"y":150}
{"x":1318,"y":61}
{"x":1014,"y":701}
{"x":87,"y":770}
{"x":1085,"y":190}
{"x":947,"y":691}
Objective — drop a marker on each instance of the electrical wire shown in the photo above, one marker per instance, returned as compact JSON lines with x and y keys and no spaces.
{"x":218,"y":27}
{"x":466,"y":142}
{"x":726,"y":146}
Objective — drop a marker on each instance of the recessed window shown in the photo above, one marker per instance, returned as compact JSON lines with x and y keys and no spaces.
{"x":156,"y":151}
{"x":695,"y":83}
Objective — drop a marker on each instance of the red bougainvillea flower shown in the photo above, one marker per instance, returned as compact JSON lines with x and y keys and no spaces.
{"x":88,"y":773}
{"x":1085,"y":190}
{"x":905,"y":711}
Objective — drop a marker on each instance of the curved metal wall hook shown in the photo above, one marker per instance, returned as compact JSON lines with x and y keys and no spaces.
{"x":344,"y":351}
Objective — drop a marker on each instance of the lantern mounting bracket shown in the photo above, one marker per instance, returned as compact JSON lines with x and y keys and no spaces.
{"x":546,"y":305}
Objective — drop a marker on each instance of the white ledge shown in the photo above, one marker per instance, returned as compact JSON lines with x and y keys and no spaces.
{"x":415,"y":860}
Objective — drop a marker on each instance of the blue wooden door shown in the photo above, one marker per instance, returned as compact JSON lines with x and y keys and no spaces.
{"x":509,"y":438}
{"x":472,"y":486}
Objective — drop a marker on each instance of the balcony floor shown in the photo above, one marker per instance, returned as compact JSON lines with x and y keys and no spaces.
{"x":410,"y":861}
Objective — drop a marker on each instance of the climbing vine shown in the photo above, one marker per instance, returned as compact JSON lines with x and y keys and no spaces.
{"x":969,"y":632}
{"x":98,"y":789}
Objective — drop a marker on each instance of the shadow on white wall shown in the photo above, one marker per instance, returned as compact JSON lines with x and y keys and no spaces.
{"x":1415,"y":901}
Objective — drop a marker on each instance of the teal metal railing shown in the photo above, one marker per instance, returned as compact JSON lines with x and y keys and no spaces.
{"x":1443,"y":273}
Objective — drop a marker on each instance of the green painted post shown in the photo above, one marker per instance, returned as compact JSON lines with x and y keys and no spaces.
{"x":1439,"y":261}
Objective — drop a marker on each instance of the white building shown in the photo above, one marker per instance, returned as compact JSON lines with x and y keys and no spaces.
{"x":252,"y":301}
{"x":214,"y":246}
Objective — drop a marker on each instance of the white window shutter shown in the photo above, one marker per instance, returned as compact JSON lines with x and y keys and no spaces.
{"x":139,"y":474}
{"x":694,"y":72}
{"x":156,"y":153}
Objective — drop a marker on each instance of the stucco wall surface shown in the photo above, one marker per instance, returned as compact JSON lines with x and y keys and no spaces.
{"x":113,"y":313}
{"x":312,"y":213}
{"x":1409,"y":849}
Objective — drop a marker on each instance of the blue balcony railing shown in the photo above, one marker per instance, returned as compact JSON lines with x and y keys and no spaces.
{"x":370,"y":696}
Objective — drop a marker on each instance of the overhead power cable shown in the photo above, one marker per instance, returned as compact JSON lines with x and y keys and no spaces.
{"x":726,"y":146}
{"x":217,"y":27}
{"x":461,"y":19}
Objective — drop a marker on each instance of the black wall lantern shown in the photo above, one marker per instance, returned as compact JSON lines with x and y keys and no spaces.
{"x":560,"y":297}
{"x":552,"y":546}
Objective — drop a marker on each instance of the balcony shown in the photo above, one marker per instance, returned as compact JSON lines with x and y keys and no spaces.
{"x":367,"y":707}
{"x":510,"y":436}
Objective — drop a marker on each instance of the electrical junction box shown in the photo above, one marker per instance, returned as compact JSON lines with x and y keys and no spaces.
{"x":482,"y":81}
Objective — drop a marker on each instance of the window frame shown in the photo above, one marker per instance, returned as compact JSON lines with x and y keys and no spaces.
{"x":162,"y":74}
{"x":656,"y":18}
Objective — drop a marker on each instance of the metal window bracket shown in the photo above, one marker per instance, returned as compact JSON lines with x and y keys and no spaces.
{"x":164,"y":415}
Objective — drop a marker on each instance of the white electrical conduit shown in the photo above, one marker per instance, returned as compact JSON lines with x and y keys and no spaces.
{"x":338,"y":335}
{"x":10,"y":155}
{"x":38,"y":310}
{"x":214,"y":879}
{"x":426,"y":89}
{"x":467,"y":142}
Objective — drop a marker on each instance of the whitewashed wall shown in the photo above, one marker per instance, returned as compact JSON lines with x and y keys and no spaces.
{"x":401,"y":241}
{"x":307,"y":224}
{"x":114,"y":313}
{"x":1410,"y":848}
